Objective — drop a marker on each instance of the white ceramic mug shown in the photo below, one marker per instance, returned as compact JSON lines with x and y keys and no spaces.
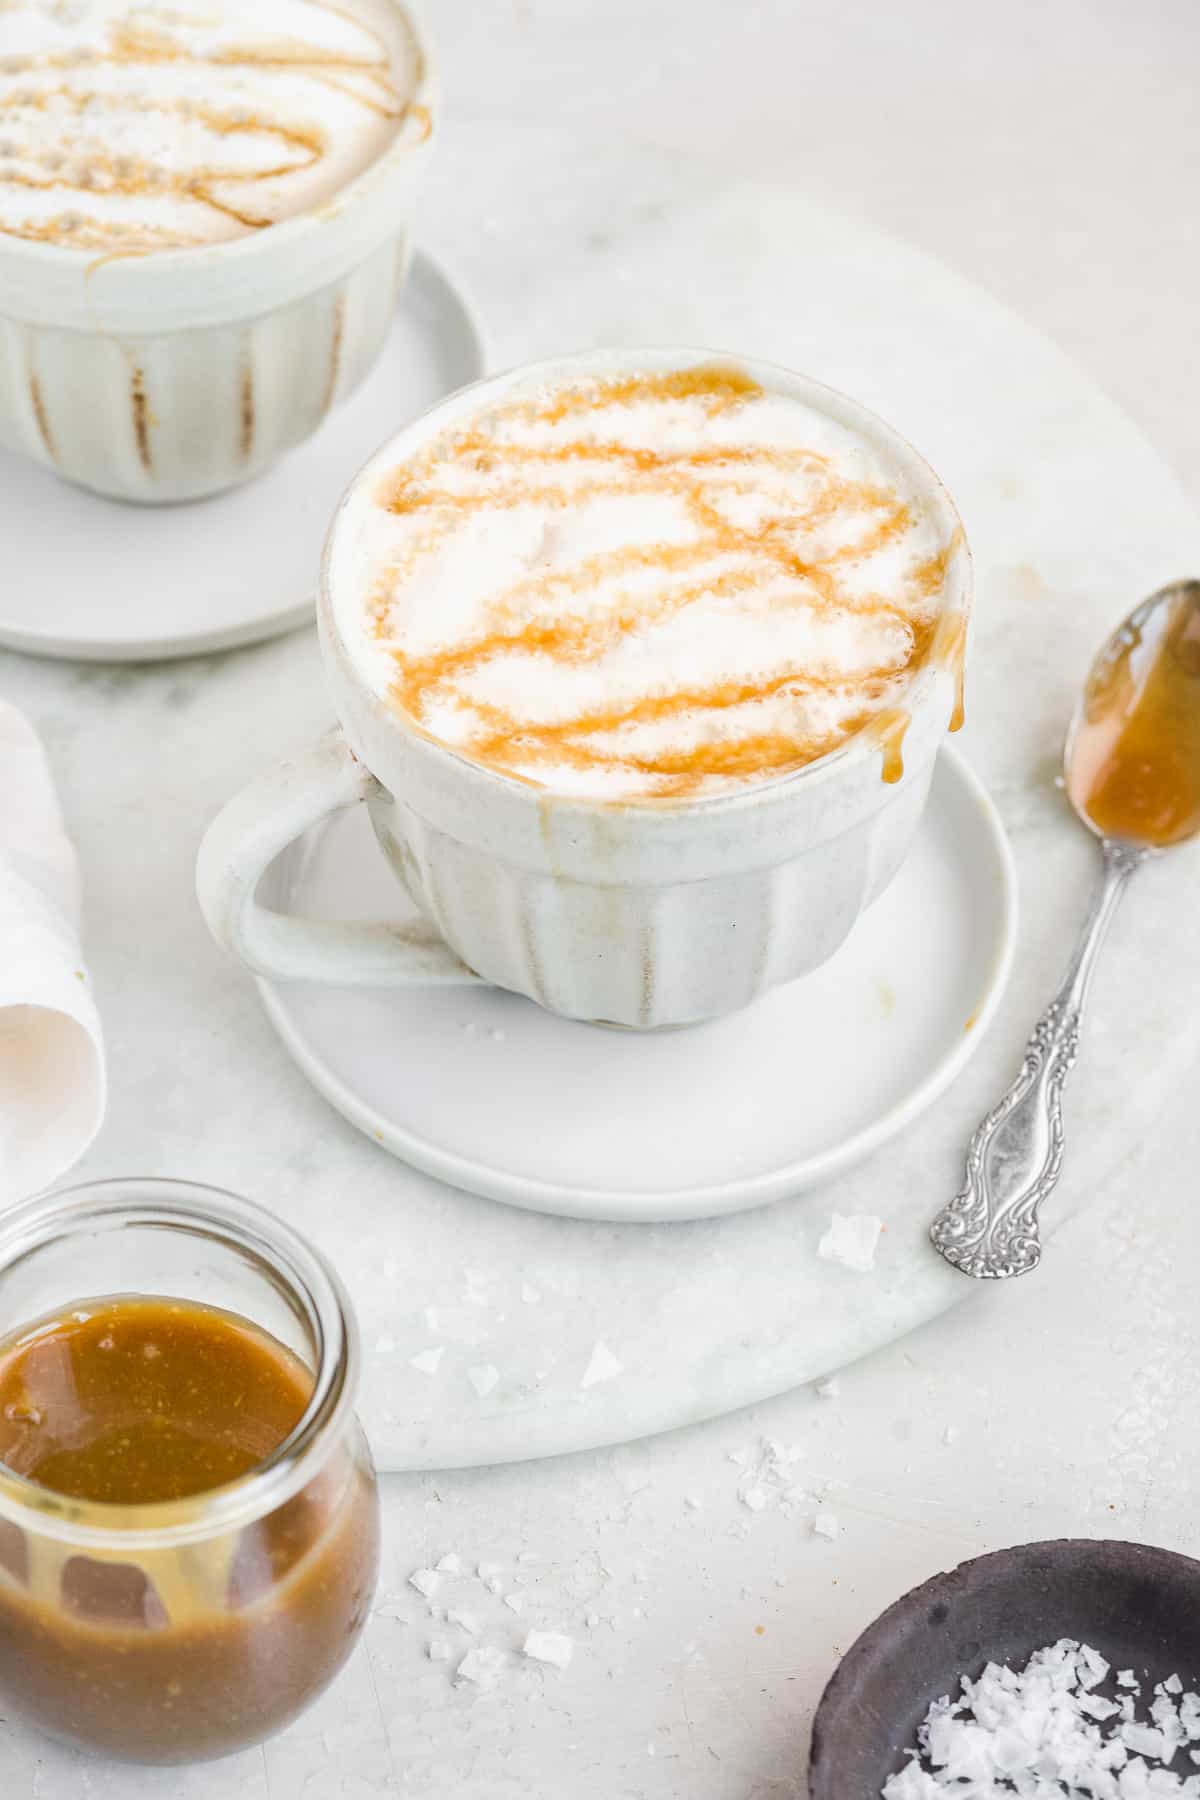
{"x":179,"y":373}
{"x":645,"y":914}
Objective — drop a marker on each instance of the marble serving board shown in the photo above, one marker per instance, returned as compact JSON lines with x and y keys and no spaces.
{"x":1072,"y":517}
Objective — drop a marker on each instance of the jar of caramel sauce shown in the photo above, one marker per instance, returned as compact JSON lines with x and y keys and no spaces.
{"x":189,"y":1530}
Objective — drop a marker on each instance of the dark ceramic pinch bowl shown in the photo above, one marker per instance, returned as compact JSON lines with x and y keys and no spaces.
{"x":1138,"y":1606}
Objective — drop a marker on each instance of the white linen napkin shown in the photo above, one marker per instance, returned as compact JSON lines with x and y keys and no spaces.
{"x":52,"y":1082}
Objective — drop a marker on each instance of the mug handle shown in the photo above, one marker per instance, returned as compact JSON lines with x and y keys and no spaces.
{"x":249,"y":833}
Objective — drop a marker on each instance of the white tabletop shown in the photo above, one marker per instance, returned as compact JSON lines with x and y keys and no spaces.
{"x":1049,"y":156}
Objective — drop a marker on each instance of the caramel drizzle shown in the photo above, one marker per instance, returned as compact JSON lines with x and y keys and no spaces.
{"x":137,"y":44}
{"x":724,"y":561}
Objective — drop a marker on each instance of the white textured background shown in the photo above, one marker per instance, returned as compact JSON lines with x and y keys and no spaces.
{"x":1050,"y":149}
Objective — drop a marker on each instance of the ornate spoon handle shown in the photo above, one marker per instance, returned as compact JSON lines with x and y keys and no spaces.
{"x":990,"y":1229}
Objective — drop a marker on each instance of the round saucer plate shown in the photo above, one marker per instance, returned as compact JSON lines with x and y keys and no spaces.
{"x":488,"y":1092}
{"x":100,"y":580}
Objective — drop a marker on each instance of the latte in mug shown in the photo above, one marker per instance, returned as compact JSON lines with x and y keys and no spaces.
{"x":642,"y":660}
{"x":127,"y":127}
{"x":645,"y":586}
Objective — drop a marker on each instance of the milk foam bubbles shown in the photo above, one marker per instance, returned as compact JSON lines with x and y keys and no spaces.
{"x":137,"y":127}
{"x":644,"y":585}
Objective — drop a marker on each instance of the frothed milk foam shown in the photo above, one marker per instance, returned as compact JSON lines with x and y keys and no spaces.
{"x":137,"y":127}
{"x":643,"y":585}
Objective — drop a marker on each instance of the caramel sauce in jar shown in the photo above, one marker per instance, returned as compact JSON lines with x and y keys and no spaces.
{"x":1133,"y":767}
{"x":193,"y":1640}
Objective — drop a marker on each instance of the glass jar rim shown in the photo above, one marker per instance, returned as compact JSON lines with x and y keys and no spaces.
{"x":313,"y":1289}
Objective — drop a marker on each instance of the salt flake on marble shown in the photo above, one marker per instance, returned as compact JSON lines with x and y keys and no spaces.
{"x":950,"y":1434}
{"x":693,"y":1502}
{"x":468,"y":1621}
{"x":755,"y":1498}
{"x":515,"y":1602}
{"x":392,"y":1606}
{"x":428,"y":1361}
{"x":826,"y":1525}
{"x":851,"y":1240}
{"x":493,"y":1584}
{"x":431,"y":1318}
{"x":481,"y":1666}
{"x":450,"y":1564}
{"x":548,"y":1647}
{"x":438,"y":1651}
{"x":592,"y":1620}
{"x":830,"y":1388}
{"x":426,"y":1581}
{"x":486,"y":1570}
{"x":529,"y":1294}
{"x":602,"y":1366}
{"x":483,"y":1378}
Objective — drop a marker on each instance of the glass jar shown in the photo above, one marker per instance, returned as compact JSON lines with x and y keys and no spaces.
{"x":188,"y":1628}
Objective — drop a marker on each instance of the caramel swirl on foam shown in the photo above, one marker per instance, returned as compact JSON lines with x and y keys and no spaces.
{"x":127,"y":127}
{"x":662,"y":584}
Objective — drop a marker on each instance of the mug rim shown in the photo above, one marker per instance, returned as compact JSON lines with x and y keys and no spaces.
{"x":777,"y":378}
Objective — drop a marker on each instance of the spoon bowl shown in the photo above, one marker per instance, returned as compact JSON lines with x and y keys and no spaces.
{"x":1132,"y":756}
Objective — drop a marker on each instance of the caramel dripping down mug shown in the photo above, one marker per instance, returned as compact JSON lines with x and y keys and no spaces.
{"x":643,"y":912}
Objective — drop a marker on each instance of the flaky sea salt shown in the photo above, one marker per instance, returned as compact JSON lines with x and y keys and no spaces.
{"x":427,"y":1360}
{"x":481,"y":1666}
{"x":549,"y":1647}
{"x":426,"y":1581}
{"x":1044,"y":1731}
{"x":826,"y":1525}
{"x":851,"y":1241}
{"x":483,"y":1378}
{"x":602,"y":1366}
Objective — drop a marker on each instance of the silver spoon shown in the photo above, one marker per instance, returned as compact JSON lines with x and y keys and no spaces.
{"x":1132,"y":765}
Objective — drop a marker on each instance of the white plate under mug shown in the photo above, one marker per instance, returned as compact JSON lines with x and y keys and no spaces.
{"x":101,"y":580}
{"x":487,"y":1091}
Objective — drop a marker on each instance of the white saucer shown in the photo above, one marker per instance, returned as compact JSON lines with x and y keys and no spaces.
{"x":488,"y":1092}
{"x":104,"y":581}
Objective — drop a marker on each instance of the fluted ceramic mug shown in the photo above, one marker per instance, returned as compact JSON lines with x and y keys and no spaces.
{"x":179,"y":373}
{"x":640,"y":913}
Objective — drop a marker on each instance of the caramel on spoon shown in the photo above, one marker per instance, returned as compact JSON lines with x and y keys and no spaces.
{"x":1132,"y":765}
